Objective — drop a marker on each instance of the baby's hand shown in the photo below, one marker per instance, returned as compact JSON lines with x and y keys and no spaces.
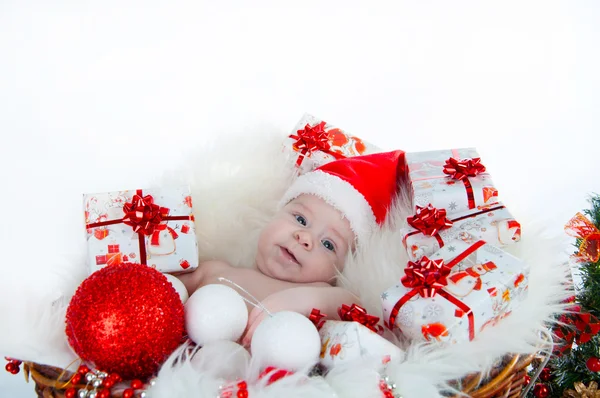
{"x":300,"y":299}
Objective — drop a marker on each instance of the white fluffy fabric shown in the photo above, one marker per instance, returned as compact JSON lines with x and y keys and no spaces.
{"x":237,"y":183}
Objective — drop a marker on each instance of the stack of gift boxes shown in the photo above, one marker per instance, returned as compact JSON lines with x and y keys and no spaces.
{"x":458,"y":280}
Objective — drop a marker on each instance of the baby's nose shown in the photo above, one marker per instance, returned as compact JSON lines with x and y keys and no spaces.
{"x":304,"y":238}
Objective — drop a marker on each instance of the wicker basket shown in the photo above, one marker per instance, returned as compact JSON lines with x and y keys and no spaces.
{"x":506,"y":380}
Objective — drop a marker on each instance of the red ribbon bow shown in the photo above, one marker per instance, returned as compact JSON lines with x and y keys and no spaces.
{"x":429,"y":220}
{"x":316,"y":317}
{"x":460,"y":169}
{"x":427,"y":275}
{"x":579,"y":328}
{"x":356,"y":313}
{"x":312,"y":139}
{"x":143,"y":215}
{"x":580,"y":227}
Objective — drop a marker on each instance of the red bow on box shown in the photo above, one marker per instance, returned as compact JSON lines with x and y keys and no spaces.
{"x":143,"y":215}
{"x":580,"y":227}
{"x":429,"y":276}
{"x":312,"y":139}
{"x":429,"y":220}
{"x":460,"y":169}
{"x":316,"y":317}
{"x":356,"y":313}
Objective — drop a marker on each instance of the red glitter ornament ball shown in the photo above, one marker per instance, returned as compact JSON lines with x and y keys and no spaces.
{"x":125,"y":319}
{"x":593,"y":364}
{"x":541,"y":391}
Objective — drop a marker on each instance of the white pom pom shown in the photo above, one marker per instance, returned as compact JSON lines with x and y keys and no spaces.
{"x":215,"y":312}
{"x":222,"y":359}
{"x":287,"y":340}
{"x":179,"y":287}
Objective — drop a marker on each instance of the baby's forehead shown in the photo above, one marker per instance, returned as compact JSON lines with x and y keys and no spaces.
{"x":314,"y":203}
{"x":327,"y":212}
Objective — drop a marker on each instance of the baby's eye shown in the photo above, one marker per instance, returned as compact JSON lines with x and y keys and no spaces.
{"x":327,"y":244}
{"x":300,"y":219}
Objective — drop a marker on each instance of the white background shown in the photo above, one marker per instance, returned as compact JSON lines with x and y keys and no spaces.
{"x":98,"y":96}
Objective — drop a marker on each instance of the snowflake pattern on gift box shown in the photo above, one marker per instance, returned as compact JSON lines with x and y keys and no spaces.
{"x":406,"y":315}
{"x":433,"y":312}
{"x":452,"y":206}
{"x":384,"y":296}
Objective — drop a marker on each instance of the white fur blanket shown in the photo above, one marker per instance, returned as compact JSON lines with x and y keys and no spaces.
{"x":235,"y":190}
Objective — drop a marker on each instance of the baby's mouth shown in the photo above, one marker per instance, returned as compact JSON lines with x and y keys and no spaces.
{"x":289,"y":255}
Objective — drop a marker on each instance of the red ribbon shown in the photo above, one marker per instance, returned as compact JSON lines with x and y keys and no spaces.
{"x":428,"y":276}
{"x":453,"y":220}
{"x":145,"y":218}
{"x":143,"y":215}
{"x":356,"y":313}
{"x":575,"y":327}
{"x":312,"y":139}
{"x":316,"y":317}
{"x":460,"y":169}
{"x":429,"y":220}
{"x":421,"y":288}
{"x":155,"y":240}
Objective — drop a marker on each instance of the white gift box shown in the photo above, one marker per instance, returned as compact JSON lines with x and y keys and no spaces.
{"x":331,"y":143}
{"x":170,"y":247}
{"x":483,"y":286}
{"x":493,"y":224}
{"x":430,"y":185}
{"x":343,"y":342}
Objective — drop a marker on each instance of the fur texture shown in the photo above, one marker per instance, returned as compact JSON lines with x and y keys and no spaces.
{"x":237,"y":183}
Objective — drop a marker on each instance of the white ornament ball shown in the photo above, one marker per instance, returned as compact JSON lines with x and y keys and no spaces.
{"x":287,"y":340}
{"x":222,"y":359}
{"x":215,"y":312}
{"x":179,"y":287}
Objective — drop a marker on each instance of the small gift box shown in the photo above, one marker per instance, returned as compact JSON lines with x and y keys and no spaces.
{"x":466,"y":286}
{"x":492,"y":223}
{"x":453,"y":179}
{"x":357,"y":336}
{"x":153,"y":227}
{"x":316,"y":142}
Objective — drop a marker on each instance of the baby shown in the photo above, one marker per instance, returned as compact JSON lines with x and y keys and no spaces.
{"x":325,"y":215}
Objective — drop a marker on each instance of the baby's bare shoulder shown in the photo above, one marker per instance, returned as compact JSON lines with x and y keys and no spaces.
{"x":214,"y":266}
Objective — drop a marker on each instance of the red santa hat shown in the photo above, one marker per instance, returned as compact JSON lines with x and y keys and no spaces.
{"x":361,"y":188}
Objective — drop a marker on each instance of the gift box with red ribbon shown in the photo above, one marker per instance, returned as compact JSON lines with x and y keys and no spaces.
{"x":460,"y":290}
{"x":153,"y":227}
{"x":455,"y":180}
{"x":316,"y":142}
{"x":430,"y":228}
{"x":357,"y":336}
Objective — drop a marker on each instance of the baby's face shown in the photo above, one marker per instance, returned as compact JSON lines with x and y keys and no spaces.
{"x":305,"y":242}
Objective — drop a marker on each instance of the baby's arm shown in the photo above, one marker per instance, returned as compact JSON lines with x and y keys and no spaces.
{"x":193,"y":280}
{"x":301,"y":299}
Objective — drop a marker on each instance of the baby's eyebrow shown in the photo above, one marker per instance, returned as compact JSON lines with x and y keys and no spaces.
{"x":337,"y":234}
{"x":304,"y":208}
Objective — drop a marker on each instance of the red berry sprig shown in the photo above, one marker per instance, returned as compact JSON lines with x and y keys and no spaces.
{"x":13,"y":366}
